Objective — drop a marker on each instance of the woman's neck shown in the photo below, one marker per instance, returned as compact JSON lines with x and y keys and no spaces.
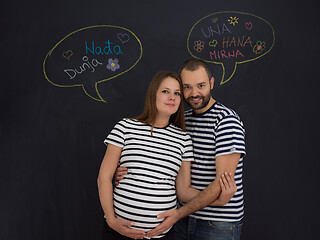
{"x":161,"y":121}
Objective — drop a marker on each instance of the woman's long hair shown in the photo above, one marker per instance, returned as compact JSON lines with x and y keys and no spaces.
{"x":150,"y":112}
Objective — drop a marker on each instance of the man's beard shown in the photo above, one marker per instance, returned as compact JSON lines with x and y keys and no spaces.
{"x":201,"y":104}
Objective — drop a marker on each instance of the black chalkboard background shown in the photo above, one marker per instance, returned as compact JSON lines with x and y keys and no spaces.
{"x":51,"y":137}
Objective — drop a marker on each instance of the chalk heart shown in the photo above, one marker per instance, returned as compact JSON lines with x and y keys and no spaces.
{"x":123,"y":37}
{"x":213,"y":43}
{"x":249,"y":25}
{"x":67,"y":54}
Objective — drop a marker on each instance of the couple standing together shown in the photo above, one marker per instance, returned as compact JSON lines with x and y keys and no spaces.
{"x":165,"y":154}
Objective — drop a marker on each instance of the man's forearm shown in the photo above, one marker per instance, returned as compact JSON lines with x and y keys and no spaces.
{"x":203,"y":199}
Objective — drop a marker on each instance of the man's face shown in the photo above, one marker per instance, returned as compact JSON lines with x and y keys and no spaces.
{"x":196,"y":88}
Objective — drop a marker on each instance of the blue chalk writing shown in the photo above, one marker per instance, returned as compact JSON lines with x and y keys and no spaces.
{"x":109,"y":48}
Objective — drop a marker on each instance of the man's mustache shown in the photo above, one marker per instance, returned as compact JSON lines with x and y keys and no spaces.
{"x":195,"y":97}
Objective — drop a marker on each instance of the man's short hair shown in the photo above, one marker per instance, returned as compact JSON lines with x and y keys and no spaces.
{"x":193,"y":64}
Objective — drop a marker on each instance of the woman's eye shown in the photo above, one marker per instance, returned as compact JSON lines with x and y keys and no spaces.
{"x":177,"y":93}
{"x":165,"y":91}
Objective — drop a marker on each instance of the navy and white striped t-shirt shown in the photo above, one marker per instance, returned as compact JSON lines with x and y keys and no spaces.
{"x":218,"y":131}
{"x":153,"y":163}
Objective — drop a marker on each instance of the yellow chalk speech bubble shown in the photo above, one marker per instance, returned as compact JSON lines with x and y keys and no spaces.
{"x":230,"y":38}
{"x":92,"y":55}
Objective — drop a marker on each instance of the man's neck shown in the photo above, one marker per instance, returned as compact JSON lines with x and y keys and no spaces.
{"x":209,"y":105}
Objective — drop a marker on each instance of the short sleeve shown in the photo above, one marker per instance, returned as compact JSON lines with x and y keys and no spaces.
{"x":230,"y":136}
{"x":117,"y":135}
{"x":188,"y":150}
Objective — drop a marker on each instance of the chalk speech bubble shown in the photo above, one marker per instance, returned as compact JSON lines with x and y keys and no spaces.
{"x":91,"y":55}
{"x":230,"y":38}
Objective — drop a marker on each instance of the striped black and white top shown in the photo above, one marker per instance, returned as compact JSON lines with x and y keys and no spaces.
{"x":218,"y":131}
{"x":153,"y":163}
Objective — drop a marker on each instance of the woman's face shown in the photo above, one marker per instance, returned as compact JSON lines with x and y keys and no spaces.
{"x":168,"y":97}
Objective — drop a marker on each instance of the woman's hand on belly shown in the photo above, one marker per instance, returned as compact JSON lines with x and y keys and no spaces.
{"x":123,"y":227}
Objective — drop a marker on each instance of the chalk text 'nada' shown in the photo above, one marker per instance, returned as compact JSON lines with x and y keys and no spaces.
{"x":109,"y":48}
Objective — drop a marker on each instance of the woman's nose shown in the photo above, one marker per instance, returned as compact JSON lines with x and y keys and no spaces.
{"x":172,"y":97}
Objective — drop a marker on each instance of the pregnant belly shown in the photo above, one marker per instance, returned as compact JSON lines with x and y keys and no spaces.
{"x":143,"y":205}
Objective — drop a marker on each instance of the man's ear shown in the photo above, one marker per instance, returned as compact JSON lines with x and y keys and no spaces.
{"x":211,"y":83}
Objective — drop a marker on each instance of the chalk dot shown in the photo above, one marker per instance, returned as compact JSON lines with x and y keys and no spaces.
{"x":259,"y":47}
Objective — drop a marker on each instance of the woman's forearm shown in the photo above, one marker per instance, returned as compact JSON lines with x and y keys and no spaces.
{"x":104,"y":181}
{"x":106,"y":198}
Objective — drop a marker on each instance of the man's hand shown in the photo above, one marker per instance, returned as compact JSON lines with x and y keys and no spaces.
{"x":228,"y":187}
{"x":123,"y":227}
{"x":119,"y":174}
{"x":171,"y":217}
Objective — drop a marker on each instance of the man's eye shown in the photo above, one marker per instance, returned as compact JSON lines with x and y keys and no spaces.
{"x":186,"y":87}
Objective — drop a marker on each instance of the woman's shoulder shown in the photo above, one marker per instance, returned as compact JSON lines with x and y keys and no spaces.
{"x":131,"y":123}
{"x":177,"y":130}
{"x":127,"y":120}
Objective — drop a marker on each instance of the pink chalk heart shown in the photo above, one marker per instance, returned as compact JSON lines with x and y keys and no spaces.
{"x":248,"y":25}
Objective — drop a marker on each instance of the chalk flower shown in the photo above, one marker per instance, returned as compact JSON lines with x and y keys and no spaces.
{"x":259,"y":47}
{"x":113,"y":64}
{"x":233,"y":20}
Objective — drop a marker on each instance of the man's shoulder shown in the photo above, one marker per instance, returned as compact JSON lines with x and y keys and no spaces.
{"x":188,"y":112}
{"x":217,"y":111}
{"x":222,"y":111}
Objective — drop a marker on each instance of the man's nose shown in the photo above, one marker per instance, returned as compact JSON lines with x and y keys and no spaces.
{"x":194,"y":92}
